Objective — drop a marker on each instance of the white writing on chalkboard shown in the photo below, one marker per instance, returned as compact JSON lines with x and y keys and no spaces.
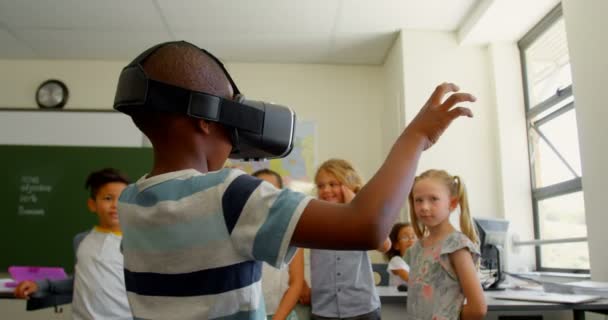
{"x":30,"y":189}
{"x":30,"y":212}
{"x":35,"y":188}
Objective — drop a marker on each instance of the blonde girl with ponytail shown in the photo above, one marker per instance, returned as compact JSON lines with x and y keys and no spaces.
{"x":443,"y":263}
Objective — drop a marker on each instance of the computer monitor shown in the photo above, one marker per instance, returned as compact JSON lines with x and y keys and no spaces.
{"x":492,"y":238}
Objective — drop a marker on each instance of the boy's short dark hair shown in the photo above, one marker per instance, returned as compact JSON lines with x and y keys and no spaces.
{"x":97,"y":179}
{"x":183,"y":65}
{"x":270,"y":173}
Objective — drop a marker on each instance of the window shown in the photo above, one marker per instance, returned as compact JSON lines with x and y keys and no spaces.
{"x":557,"y":192}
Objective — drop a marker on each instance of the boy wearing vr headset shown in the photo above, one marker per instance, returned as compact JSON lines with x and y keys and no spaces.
{"x":193,"y":233}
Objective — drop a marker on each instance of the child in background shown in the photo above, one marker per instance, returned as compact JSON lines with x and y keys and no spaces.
{"x":402,"y":237}
{"x":194,"y":233}
{"x":281,"y":287}
{"x":342,"y":281}
{"x":443,"y":263}
{"x":98,"y":284}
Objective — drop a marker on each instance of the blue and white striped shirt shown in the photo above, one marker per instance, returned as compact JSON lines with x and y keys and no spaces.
{"x":192,"y":243}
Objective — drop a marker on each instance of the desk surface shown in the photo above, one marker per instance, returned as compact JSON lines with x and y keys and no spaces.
{"x":390,"y":295}
{"x":41,"y":301}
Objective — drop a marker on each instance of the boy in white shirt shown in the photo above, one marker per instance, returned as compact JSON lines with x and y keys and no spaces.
{"x":98,"y":284}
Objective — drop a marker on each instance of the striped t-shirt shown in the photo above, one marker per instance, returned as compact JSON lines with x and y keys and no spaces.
{"x":193,"y":242}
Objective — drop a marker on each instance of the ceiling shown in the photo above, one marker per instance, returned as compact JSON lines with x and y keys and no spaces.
{"x":275,"y":31}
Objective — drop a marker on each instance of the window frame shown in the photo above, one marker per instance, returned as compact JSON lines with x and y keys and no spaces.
{"x":564,"y":187}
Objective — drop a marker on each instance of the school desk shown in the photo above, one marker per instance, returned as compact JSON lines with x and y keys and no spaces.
{"x":394,"y":301}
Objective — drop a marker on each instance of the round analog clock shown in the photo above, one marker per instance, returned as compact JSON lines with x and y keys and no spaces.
{"x":52,"y":94}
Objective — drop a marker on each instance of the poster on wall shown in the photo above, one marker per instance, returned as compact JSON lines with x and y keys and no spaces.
{"x":299,"y":167}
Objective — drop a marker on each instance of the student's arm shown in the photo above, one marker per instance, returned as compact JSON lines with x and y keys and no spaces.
{"x":399,"y":267}
{"x":475,"y":307}
{"x":365,"y":222}
{"x":26,"y":288}
{"x":60,"y":286}
{"x":296,"y":284}
{"x":403,"y":274}
{"x":386,"y":246}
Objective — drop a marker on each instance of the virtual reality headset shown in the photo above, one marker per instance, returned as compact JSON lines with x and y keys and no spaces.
{"x":259,"y":130}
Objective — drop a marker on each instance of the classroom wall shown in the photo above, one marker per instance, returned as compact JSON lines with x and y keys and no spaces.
{"x":469,"y":147}
{"x":393,"y":114}
{"x":91,"y":84}
{"x":345,"y":101}
{"x":512,"y":153}
{"x":585,"y":29}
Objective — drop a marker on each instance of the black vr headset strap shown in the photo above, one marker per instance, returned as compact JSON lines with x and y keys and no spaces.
{"x":226,"y":112}
{"x":168,"y":98}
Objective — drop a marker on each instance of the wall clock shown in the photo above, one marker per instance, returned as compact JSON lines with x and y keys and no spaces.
{"x":52,"y":94}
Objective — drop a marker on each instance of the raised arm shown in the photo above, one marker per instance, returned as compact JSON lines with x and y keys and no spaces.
{"x":364,"y":223}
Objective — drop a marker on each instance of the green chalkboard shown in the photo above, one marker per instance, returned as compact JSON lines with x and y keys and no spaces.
{"x":43,"y":199}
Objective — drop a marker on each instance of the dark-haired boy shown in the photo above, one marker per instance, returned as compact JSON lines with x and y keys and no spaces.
{"x":270,"y":176}
{"x":195,"y":233}
{"x":98,"y":283}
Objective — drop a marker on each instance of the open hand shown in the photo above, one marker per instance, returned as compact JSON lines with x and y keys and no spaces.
{"x":347,"y":194}
{"x":435,"y":116}
{"x":305,"y":295}
{"x":25,"y":288}
{"x":386,"y":246}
